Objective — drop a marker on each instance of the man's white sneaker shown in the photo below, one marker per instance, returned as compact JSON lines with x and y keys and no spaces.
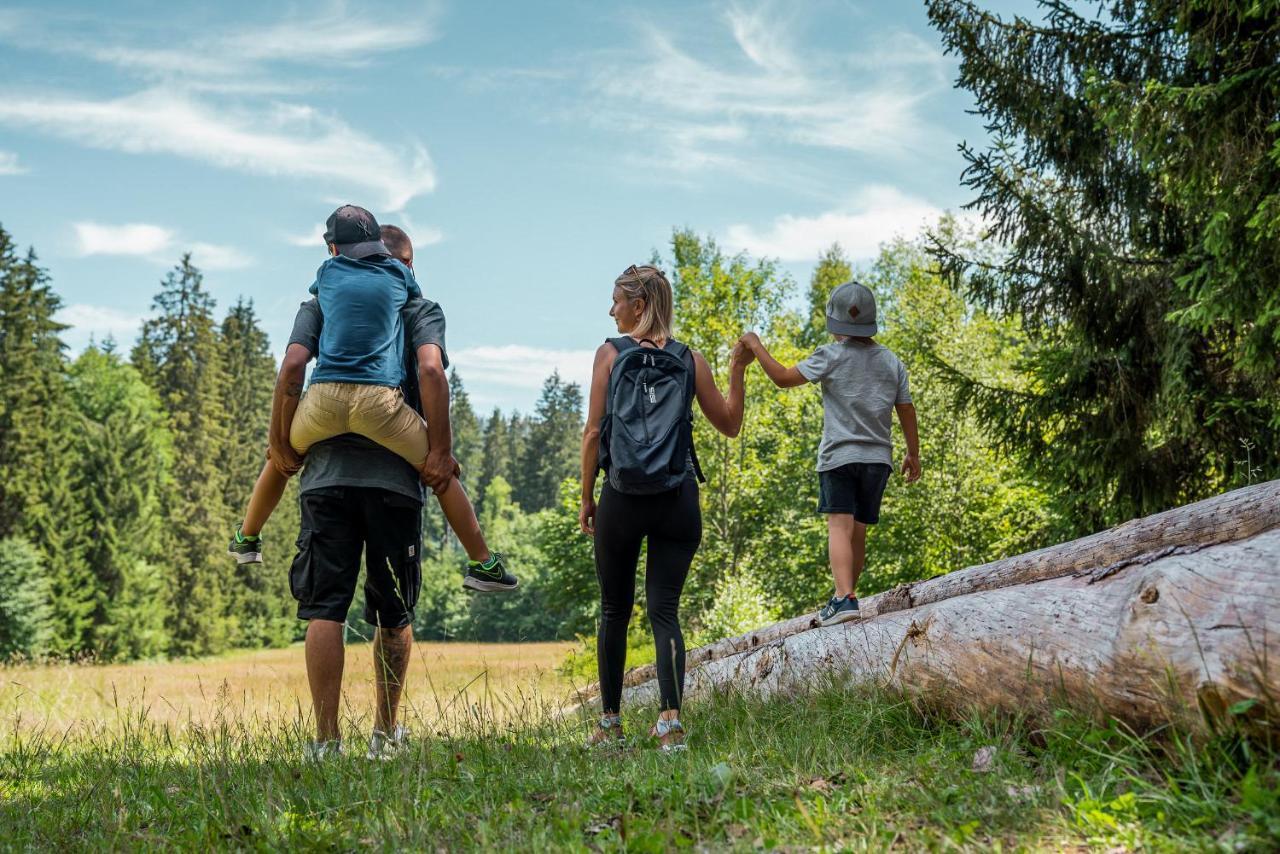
{"x":388,"y":745}
{"x":322,"y":751}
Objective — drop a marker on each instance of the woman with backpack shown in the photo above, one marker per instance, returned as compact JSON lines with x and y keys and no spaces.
{"x":639,"y":431}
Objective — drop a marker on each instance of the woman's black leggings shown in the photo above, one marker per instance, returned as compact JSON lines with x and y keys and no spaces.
{"x":673,"y":523}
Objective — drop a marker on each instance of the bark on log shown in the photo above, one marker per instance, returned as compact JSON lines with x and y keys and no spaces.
{"x":1152,"y":616}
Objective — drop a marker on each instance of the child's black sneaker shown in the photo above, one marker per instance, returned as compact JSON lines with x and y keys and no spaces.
{"x":489,"y":575}
{"x":839,"y":610}
{"x":245,"y":549}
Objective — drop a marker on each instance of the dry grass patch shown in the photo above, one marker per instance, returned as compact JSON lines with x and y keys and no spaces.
{"x":447,"y":682}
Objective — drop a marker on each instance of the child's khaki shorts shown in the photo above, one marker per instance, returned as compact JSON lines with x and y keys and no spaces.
{"x":374,"y":411}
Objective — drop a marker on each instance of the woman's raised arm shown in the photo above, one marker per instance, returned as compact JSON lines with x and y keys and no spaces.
{"x":724,"y":415}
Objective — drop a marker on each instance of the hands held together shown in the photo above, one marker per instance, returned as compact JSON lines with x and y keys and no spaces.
{"x":744,"y":351}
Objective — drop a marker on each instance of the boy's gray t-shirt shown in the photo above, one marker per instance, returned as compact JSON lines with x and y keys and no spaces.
{"x":860,"y":385}
{"x":351,"y":460}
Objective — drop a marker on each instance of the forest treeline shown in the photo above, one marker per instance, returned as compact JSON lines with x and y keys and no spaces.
{"x":1103,"y":344}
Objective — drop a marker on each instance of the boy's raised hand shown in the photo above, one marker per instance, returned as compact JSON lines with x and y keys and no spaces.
{"x":743,"y":355}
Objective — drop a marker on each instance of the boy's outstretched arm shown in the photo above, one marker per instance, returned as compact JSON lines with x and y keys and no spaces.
{"x":911,"y":462}
{"x":782,"y":376}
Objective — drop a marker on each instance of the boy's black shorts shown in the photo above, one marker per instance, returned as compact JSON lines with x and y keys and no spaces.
{"x":338,"y":523}
{"x":854,"y":488}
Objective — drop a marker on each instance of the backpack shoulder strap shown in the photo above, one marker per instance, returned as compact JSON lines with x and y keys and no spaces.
{"x":622,"y":343}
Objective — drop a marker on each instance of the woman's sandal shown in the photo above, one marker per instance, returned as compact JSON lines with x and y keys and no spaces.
{"x":607,"y":732}
{"x":670,"y":734}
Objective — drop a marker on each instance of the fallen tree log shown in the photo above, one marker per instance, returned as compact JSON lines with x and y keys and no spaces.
{"x":1165,"y":613}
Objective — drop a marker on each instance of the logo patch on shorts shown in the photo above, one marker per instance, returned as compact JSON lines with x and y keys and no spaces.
{"x":412,"y":549}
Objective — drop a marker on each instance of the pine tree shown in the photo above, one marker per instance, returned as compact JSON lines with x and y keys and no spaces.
{"x":468,"y":451}
{"x":495,"y":460}
{"x":121,"y":456}
{"x":179,"y":355}
{"x":1134,"y":179}
{"x":26,"y":608}
{"x":553,"y":447}
{"x":468,"y":443}
{"x":260,"y":597}
{"x":36,"y":499}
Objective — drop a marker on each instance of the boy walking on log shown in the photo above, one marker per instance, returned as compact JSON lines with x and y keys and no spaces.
{"x":863,"y":383}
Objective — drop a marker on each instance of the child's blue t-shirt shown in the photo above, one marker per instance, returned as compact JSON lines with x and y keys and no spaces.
{"x":363,"y":336}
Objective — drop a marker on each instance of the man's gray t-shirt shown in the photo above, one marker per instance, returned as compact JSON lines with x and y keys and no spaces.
{"x":860,"y":384}
{"x":351,"y":460}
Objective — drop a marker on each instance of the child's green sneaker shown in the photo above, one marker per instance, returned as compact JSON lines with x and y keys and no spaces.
{"x":245,"y":549}
{"x":839,"y":610}
{"x":489,"y":575}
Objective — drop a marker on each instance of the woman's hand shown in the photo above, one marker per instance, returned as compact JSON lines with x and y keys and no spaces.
{"x":587,"y":517}
{"x":743,"y":355}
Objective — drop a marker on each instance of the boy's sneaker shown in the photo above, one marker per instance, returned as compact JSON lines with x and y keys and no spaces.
{"x":839,"y":610}
{"x":489,"y":575}
{"x":384,"y":745}
{"x":245,"y":549}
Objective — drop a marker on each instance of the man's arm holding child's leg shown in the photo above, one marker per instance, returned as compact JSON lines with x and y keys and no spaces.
{"x":782,"y":376}
{"x":284,"y":403}
{"x":433,"y":385}
{"x":911,"y":462}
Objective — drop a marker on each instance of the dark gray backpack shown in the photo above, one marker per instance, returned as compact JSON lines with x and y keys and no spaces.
{"x":646,"y":437}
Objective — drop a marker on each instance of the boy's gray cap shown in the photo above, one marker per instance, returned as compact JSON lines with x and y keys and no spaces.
{"x":851,"y":310}
{"x":355,"y":232}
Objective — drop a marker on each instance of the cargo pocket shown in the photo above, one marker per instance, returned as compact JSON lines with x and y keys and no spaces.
{"x":301,"y":575}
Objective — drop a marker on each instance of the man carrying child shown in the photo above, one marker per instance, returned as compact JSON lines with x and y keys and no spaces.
{"x":357,"y":496}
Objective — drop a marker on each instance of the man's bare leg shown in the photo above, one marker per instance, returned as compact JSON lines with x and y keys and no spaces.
{"x":461,"y":517}
{"x":325,"y":660}
{"x":390,"y":667}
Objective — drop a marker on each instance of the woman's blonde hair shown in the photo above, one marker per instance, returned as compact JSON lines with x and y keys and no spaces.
{"x":648,"y":283}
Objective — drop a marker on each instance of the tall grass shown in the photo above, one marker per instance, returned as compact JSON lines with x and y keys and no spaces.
{"x":835,"y":768}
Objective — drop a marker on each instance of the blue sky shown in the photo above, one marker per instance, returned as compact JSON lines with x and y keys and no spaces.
{"x":532,"y":151}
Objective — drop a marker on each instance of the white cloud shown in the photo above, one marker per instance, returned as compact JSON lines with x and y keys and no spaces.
{"x":517,"y":366}
{"x":233,"y":58}
{"x":210,"y":256}
{"x":9,"y":164}
{"x":311,"y":240}
{"x":278,"y":139}
{"x":132,"y":239}
{"x":97,"y":322}
{"x":425,"y":235}
{"x":155,"y":243}
{"x":696,"y":105}
{"x":421,"y":235}
{"x":340,"y":34}
{"x":875,"y":215}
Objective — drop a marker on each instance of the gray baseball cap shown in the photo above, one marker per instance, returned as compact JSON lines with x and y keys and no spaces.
{"x":851,"y":310}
